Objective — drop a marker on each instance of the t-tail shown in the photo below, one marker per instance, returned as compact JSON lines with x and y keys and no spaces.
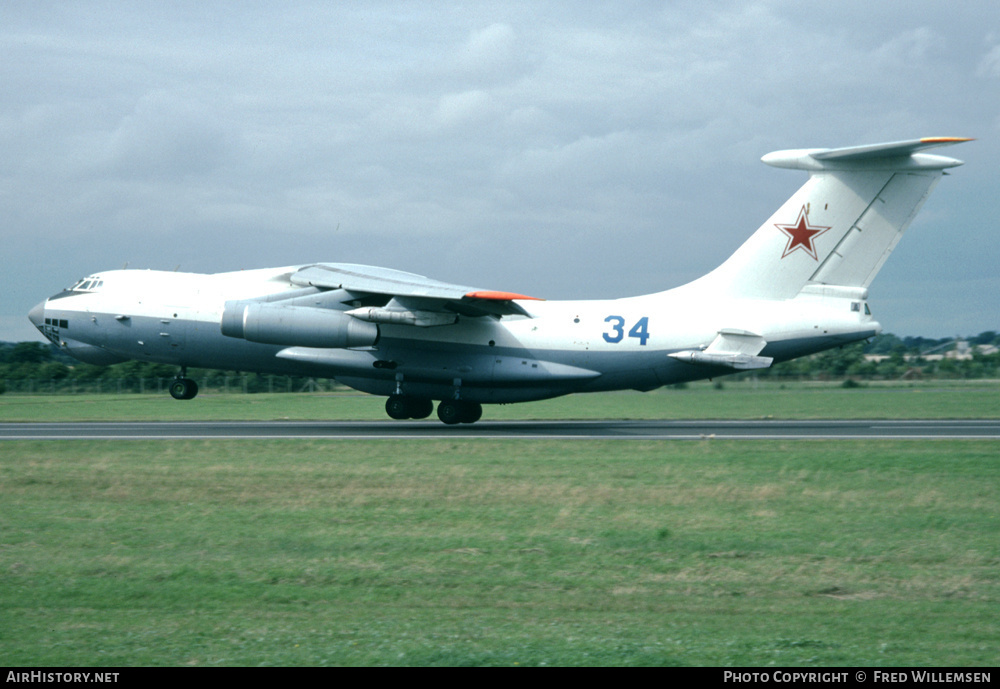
{"x":841,"y":226}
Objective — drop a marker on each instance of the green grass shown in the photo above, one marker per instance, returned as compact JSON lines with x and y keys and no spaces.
{"x":499,"y":552}
{"x":739,"y":400}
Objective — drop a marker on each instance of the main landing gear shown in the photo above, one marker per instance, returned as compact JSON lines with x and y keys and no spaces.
{"x":450,"y":411}
{"x":182,"y":387}
{"x":402,"y":407}
{"x":459,"y":411}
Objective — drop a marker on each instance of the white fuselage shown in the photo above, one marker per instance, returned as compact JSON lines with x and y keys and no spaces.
{"x":558,"y":348}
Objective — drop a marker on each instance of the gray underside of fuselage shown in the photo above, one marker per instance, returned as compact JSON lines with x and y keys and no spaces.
{"x":419,"y":368}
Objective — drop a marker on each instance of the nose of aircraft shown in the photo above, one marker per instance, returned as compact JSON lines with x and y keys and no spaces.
{"x":37,"y":315}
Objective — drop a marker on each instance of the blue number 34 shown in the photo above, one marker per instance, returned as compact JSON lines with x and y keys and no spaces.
{"x":639,"y":331}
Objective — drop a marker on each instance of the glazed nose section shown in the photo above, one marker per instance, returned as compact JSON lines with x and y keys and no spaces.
{"x":37,"y":315}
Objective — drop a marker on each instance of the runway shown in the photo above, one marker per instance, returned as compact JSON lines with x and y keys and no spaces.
{"x":854,"y":429}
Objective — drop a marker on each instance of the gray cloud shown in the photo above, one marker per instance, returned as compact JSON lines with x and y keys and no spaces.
{"x":555,"y":149}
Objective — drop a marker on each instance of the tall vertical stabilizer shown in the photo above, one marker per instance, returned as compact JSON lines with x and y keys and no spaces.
{"x":840,"y":226}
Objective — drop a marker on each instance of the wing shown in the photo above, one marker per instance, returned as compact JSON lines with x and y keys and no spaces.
{"x":394,"y":296}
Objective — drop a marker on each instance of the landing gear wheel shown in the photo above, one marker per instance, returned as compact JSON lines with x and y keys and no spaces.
{"x":421,"y":408}
{"x":402,"y":407}
{"x":397,"y":407}
{"x":456,"y":411}
{"x":450,"y":412}
{"x":472,"y":413}
{"x":183,"y":389}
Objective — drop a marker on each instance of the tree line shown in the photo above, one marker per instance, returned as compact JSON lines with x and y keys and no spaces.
{"x":889,"y":357}
{"x":886,"y":357}
{"x":43,"y":367}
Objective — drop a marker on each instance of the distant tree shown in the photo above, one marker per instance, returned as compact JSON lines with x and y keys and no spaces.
{"x":882,"y":344}
{"x":53,"y":370}
{"x":919,"y":345}
{"x":21,"y":371}
{"x":863,"y":368}
{"x":29,"y":353}
{"x":837,"y":362}
{"x":949,"y":368}
{"x":83,"y":371}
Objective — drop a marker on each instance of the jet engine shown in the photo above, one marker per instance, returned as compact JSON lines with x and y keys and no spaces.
{"x":297,"y":326}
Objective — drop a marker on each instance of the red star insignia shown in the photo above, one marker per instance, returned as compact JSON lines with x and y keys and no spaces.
{"x":801,"y":235}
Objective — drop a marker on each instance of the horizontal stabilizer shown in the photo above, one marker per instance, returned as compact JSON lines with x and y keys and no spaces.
{"x":898,"y":148}
{"x":732,"y":348}
{"x":899,"y":155}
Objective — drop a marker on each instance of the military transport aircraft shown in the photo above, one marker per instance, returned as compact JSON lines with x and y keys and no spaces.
{"x":798,"y":285}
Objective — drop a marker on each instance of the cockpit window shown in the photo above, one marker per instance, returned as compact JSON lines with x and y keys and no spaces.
{"x":87,"y":285}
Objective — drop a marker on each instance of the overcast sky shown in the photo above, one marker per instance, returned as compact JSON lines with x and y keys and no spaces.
{"x":561,"y":150}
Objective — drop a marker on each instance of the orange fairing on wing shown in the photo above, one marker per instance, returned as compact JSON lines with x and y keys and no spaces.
{"x":499,"y":296}
{"x":944,"y":140}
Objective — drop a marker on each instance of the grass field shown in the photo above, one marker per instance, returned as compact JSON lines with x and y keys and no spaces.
{"x":482,"y":552}
{"x":742,"y":400}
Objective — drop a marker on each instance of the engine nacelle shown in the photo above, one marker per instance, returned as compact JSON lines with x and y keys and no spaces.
{"x":297,"y":326}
